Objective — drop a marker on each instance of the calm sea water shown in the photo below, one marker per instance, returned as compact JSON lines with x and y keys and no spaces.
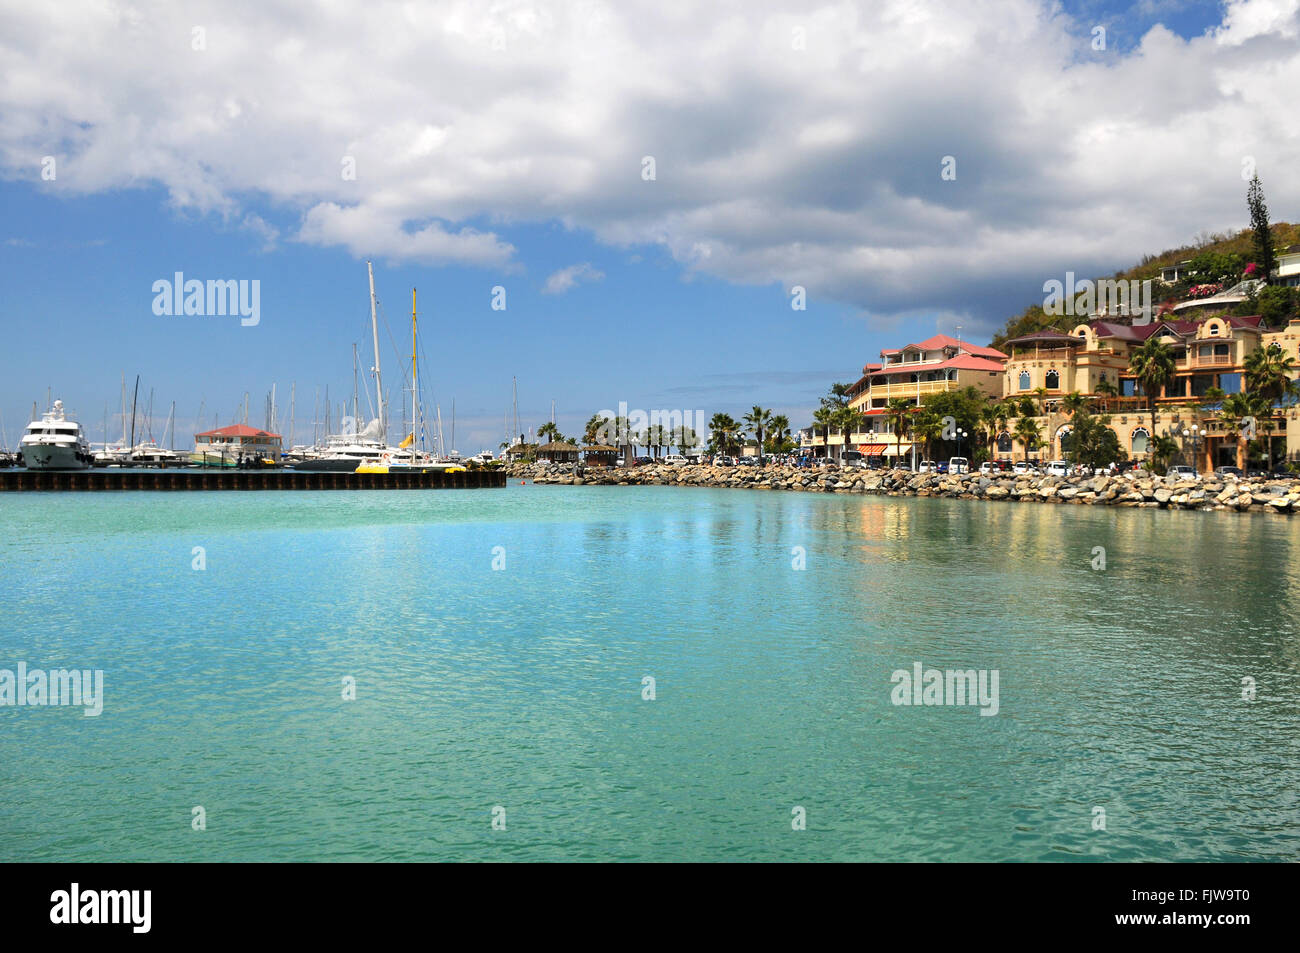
{"x":522,"y":687}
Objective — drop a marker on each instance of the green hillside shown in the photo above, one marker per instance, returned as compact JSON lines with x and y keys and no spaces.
{"x":1220,"y":257}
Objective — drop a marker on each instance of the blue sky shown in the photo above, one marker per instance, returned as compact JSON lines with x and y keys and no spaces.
{"x":514,"y":151}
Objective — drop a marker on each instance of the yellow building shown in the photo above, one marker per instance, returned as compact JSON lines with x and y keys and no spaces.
{"x":1208,"y":353}
{"x":914,"y":372}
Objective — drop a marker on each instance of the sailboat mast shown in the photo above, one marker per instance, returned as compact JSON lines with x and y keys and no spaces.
{"x":135,"y":399}
{"x":415,"y":380}
{"x":374,"y":331}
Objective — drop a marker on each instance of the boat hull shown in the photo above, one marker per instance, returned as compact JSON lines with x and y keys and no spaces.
{"x":40,"y":456}
{"x":327,"y":466}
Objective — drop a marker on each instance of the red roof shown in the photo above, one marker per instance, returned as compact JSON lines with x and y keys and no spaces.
{"x":1141,"y":332}
{"x":941,"y":341}
{"x":237,"y":430}
{"x":962,"y":362}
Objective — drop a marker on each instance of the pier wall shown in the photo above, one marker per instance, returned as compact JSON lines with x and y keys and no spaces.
{"x":182,"y":480}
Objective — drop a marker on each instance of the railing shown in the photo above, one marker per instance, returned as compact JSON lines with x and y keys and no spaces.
{"x":910,"y":389}
{"x":1210,"y":360}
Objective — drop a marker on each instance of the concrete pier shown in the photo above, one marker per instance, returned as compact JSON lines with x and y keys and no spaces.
{"x":183,"y":479}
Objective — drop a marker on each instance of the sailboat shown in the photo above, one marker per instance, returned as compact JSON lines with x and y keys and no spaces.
{"x":343,"y":453}
{"x":408,"y":457}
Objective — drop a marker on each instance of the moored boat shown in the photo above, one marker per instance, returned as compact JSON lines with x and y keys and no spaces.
{"x":55,"y":443}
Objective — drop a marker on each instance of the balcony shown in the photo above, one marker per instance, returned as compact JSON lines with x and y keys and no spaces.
{"x":909,"y":389}
{"x":1210,"y":360}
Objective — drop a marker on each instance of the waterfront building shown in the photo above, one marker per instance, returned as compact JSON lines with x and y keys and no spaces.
{"x":229,"y":446}
{"x":1093,"y":359}
{"x":913,"y":372}
{"x":556,"y":452}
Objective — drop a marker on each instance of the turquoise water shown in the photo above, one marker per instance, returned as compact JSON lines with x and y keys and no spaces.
{"x":522,"y":687}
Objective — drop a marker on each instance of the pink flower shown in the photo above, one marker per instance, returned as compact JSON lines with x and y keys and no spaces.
{"x":1250,"y":269}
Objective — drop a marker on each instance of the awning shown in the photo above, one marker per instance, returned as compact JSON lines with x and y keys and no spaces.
{"x":897,"y":449}
{"x":872,"y":449}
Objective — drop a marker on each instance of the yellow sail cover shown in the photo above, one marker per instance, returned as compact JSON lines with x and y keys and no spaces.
{"x":410,"y":439}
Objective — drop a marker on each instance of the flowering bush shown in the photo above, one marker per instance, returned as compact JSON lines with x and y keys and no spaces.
{"x":1204,"y":291}
{"x":1250,"y":270}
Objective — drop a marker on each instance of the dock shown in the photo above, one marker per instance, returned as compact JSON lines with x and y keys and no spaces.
{"x":183,"y":479}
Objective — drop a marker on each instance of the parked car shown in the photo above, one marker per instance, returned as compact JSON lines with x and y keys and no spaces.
{"x":988,"y":468}
{"x":1058,"y":468}
{"x":722,"y":460}
{"x":641,"y":461}
{"x":925,"y":466}
{"x":958,"y":465}
{"x":675,"y":460}
{"x":1021,"y":467}
{"x":1228,"y":473}
{"x":1280,"y":474}
{"x":1181,"y":472}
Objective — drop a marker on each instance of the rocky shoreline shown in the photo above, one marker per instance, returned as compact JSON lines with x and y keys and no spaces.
{"x":1253,"y":495}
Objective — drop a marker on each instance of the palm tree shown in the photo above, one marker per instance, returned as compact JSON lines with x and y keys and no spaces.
{"x":591,"y":433}
{"x":1028,"y":434}
{"x":1105,"y":389}
{"x":823,"y":419}
{"x":847,"y":420}
{"x":1073,"y":402}
{"x":898,"y":412}
{"x":1153,"y":365}
{"x":1162,"y":449}
{"x":1261,"y":408}
{"x":759,"y":419}
{"x":989,"y":421}
{"x":549,"y":430}
{"x":778,"y":430}
{"x":928,"y":425}
{"x":723,"y":432}
{"x":1269,"y":373}
{"x":1234,"y":408}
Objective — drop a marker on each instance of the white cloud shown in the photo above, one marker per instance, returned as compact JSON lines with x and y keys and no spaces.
{"x":775,"y":164}
{"x":561,"y":281}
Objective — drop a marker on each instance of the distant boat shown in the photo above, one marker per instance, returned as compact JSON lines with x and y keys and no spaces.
{"x":55,"y":443}
{"x":149,"y":454}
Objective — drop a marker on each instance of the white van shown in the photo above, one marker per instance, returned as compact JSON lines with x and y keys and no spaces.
{"x":958,"y":465}
{"x":675,"y":460}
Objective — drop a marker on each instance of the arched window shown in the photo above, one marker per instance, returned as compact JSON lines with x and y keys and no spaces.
{"x":1053,"y":380}
{"x":1024,"y":380}
{"x":1004,"y":442}
{"x":1138,"y":442}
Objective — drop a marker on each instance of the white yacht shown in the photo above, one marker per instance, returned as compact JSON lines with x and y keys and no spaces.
{"x":55,"y":443}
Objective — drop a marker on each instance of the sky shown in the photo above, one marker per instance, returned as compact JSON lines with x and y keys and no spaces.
{"x":650,"y":184}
